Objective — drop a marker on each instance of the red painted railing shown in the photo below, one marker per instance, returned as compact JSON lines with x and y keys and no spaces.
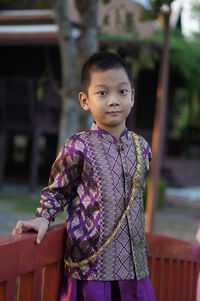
{"x":174,"y":268}
{"x":32,"y":273}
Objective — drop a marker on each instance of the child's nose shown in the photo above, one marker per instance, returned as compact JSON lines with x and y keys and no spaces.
{"x":113,"y":100}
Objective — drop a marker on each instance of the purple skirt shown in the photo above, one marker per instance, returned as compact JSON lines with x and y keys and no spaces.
{"x":123,"y":290}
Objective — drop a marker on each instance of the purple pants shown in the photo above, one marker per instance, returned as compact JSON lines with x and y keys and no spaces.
{"x":123,"y":290}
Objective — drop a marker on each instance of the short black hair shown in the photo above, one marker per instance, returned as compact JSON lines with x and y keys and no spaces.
{"x":101,"y":61}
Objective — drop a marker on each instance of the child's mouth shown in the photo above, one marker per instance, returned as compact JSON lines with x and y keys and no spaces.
{"x":113,"y":112}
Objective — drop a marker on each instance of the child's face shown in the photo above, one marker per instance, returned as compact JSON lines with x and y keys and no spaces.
{"x":109,"y":98}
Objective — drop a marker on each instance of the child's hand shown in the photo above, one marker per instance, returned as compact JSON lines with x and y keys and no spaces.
{"x":39,"y":224}
{"x":198,"y":235}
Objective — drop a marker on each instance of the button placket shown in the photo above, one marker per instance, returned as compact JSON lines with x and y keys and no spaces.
{"x":129,"y":219}
{"x":125,"y":171}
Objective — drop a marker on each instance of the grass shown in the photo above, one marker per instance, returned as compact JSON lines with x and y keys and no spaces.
{"x":24,"y":204}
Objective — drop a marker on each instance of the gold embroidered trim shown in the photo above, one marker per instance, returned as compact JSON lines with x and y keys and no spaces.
{"x":136,"y":183}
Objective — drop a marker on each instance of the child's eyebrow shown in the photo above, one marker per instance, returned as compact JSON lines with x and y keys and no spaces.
{"x":123,"y":83}
{"x":100,"y":85}
{"x":104,"y":85}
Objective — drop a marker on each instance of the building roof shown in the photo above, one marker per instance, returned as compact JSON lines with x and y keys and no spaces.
{"x":9,"y":16}
{"x":25,"y":27}
{"x":22,"y":27}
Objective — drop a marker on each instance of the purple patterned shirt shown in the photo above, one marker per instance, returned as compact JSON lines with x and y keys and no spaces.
{"x":91,"y":179}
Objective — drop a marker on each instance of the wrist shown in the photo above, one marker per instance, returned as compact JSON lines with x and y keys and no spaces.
{"x":43,"y":220}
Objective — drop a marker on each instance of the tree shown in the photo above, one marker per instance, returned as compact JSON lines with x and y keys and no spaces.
{"x":73,"y":52}
{"x":158,"y":9}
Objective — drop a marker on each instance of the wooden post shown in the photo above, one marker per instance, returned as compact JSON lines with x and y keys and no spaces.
{"x":159,"y":128}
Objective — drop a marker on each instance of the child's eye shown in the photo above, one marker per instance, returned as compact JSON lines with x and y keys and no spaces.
{"x":123,"y":91}
{"x":102,"y":93}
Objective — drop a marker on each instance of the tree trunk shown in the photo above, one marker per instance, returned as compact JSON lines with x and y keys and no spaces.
{"x":73,"y":53}
{"x":88,"y":42}
{"x":159,"y":129}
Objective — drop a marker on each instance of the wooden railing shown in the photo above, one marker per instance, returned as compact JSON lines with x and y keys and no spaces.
{"x":174,"y":268}
{"x":29,"y":272}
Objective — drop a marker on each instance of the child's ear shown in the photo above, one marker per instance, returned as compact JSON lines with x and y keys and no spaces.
{"x":83,"y":99}
{"x":132,"y":96}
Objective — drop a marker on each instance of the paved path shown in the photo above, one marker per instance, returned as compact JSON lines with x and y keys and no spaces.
{"x":178,"y":221}
{"x":189,"y":194}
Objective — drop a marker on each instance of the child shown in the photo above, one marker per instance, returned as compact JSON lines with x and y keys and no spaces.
{"x":99,"y":176}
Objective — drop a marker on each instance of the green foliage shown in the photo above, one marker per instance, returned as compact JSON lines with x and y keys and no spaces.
{"x":23,"y":202}
{"x":162,"y":186}
{"x":195,"y":13}
{"x":185,"y":62}
{"x":194,"y":109}
{"x":106,"y":1}
{"x":117,"y":37}
{"x":20,"y":203}
{"x":196,"y":9}
{"x":196,"y":36}
{"x":145,"y":58}
{"x":185,"y":59}
{"x":42,"y":3}
{"x":180,"y":113}
{"x":129,"y":23}
{"x":157,"y":7}
{"x":147,"y":15}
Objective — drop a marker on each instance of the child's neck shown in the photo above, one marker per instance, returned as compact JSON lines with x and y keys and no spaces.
{"x":114,"y":131}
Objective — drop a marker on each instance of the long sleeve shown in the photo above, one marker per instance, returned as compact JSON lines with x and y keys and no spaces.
{"x":64,"y":176}
{"x":147,"y":154}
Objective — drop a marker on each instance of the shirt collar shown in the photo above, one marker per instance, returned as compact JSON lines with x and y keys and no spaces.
{"x":125,"y":136}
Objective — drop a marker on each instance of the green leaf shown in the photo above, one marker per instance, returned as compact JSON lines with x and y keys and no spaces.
{"x":106,"y":1}
{"x":147,"y":14}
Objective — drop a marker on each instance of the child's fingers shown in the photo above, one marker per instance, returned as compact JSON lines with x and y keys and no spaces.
{"x":41,"y":232}
{"x":198,"y":235}
{"x":23,"y":226}
{"x":38,"y":224}
{"x":18,"y":228}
